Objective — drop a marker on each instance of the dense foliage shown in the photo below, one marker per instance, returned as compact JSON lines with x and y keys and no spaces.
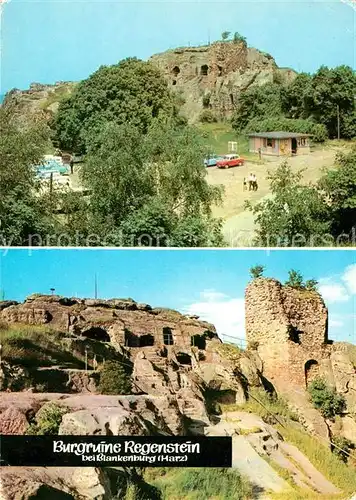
{"x":132,"y":91}
{"x":23,"y":209}
{"x":114,"y":379}
{"x":326,"y":399}
{"x":309,"y":104}
{"x":149,"y":189}
{"x":309,"y":215}
{"x":296,"y":215}
{"x":47,"y":420}
{"x":142,"y":188}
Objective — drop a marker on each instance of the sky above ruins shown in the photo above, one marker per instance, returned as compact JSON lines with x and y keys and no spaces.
{"x":209,"y":283}
{"x":52,"y":40}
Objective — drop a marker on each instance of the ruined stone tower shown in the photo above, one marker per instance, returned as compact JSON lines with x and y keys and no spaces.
{"x":289,"y":328}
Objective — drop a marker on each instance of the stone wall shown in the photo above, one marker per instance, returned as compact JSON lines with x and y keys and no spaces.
{"x":290,"y":328}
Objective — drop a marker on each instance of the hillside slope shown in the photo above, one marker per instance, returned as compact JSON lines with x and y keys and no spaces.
{"x":183,"y":379}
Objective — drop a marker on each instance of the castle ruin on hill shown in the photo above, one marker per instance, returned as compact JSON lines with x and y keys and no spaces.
{"x":289,"y":329}
{"x":214,"y":76}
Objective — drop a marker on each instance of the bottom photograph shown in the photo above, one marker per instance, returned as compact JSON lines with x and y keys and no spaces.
{"x":177,"y":374}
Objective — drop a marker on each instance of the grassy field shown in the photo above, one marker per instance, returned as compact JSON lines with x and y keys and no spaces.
{"x":340,"y":474}
{"x":33,"y":346}
{"x":199,"y":484}
{"x":217,"y":136}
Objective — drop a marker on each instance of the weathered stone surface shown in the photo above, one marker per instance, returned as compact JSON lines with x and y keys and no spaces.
{"x":92,"y":414}
{"x":13,"y":421}
{"x":120,"y":321}
{"x":214,"y":76}
{"x":102,"y":422}
{"x":7,"y":303}
{"x":289,"y":327}
{"x":57,"y":483}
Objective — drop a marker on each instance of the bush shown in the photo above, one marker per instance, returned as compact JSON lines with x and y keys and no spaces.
{"x":342,"y":447}
{"x":326,"y":399}
{"x":47,"y":420}
{"x":256,"y":271}
{"x":318,"y":131}
{"x":295,"y":279}
{"x":114,"y":379}
{"x":207,"y":116}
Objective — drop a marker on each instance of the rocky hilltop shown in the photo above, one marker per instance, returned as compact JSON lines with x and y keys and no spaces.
{"x":214,"y":76}
{"x":184,"y":381}
{"x":39,"y":103}
{"x":206,"y":77}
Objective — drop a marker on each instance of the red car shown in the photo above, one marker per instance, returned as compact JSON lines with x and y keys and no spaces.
{"x":232,"y":160}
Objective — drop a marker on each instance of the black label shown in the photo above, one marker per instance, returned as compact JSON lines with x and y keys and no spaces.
{"x":105,"y":451}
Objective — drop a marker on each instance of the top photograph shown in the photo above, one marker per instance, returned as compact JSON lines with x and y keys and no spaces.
{"x":178,"y":124}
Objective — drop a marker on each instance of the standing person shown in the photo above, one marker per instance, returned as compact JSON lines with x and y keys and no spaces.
{"x":71,"y":165}
{"x":250,"y":182}
{"x":255,"y":185}
{"x":260,"y":153}
{"x":244,"y":184}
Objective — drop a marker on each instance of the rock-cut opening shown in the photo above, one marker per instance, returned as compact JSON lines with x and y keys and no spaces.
{"x":97,"y":333}
{"x":184,"y":359}
{"x":311,"y":371}
{"x":176,"y":71}
{"x":146,"y":340}
{"x":204,"y":70}
{"x":198,"y":341}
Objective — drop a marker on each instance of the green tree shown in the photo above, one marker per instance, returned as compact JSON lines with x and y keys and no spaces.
{"x":257,"y":271}
{"x":320,"y":96}
{"x":225,"y":35}
{"x":114,"y":379}
{"x":339,"y":186}
{"x":24,"y":208}
{"x":132,"y":91}
{"x":153,"y":185}
{"x":257,"y":103}
{"x":295,"y":279}
{"x":296,"y":215}
{"x":239,"y":38}
{"x":294,"y":97}
{"x":311,"y":285}
{"x":326,"y":399}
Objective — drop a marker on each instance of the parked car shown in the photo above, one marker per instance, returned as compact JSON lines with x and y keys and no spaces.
{"x":232,"y":160}
{"x":212,"y":160}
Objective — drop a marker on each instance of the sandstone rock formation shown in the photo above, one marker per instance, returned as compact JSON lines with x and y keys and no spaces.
{"x":38,"y":103}
{"x":289,"y":329}
{"x":214,"y":76}
{"x":57,"y":483}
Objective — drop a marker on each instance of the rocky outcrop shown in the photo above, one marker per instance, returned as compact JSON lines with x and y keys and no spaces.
{"x":57,"y":483}
{"x":38,"y":103}
{"x":253,"y":441}
{"x":214,"y":76}
{"x":98,"y":414}
{"x":118,"y":321}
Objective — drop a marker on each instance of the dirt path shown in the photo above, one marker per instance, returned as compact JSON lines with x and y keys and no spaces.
{"x":239,"y":224}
